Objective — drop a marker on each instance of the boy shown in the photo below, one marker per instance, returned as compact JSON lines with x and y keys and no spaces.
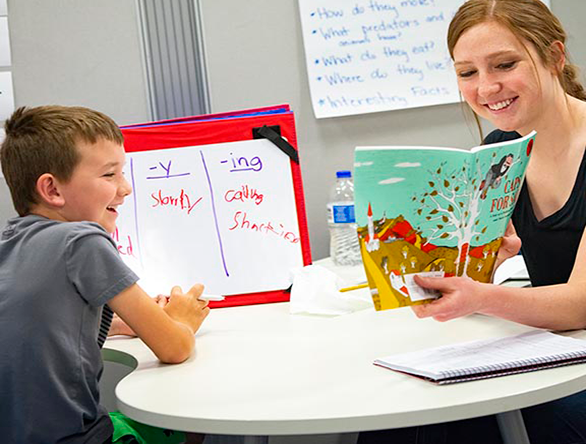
{"x":59,"y":266}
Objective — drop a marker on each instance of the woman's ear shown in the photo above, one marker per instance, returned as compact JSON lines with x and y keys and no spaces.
{"x":48,"y":191}
{"x":558,"y":56}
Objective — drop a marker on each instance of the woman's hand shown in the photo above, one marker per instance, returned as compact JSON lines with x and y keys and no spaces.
{"x":461,"y":296}
{"x":510,"y":245}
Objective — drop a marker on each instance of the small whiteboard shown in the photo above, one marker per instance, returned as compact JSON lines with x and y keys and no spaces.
{"x":221,"y":214}
{"x":367,"y":56}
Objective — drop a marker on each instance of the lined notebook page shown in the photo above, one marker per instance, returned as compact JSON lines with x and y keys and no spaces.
{"x":531,"y":348}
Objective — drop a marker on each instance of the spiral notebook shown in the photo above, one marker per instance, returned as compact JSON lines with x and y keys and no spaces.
{"x":531,"y":351}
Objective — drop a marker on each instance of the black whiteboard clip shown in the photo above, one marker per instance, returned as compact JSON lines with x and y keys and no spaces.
{"x":273,"y":133}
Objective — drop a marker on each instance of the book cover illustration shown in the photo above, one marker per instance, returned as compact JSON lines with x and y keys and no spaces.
{"x":433,"y":211}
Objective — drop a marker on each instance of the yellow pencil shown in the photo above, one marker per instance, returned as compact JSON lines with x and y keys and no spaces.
{"x":354,"y":287}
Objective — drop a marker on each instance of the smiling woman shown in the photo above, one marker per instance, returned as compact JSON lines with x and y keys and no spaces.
{"x":494,"y":80}
{"x":513,"y":70}
{"x":521,"y":53}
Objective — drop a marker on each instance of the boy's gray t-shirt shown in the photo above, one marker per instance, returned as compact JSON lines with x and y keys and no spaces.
{"x":54,"y":279}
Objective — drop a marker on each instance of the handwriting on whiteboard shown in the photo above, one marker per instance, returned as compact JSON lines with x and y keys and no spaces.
{"x":221,"y":214}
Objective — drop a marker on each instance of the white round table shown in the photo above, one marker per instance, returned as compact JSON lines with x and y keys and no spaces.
{"x":259,"y":371}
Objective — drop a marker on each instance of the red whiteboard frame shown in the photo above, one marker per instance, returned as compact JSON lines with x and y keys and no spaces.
{"x":221,"y":128}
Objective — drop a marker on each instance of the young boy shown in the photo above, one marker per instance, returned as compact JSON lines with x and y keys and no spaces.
{"x":59,"y":266}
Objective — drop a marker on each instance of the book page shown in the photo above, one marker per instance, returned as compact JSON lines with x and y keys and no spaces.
{"x":512,"y":268}
{"x":534,"y":346}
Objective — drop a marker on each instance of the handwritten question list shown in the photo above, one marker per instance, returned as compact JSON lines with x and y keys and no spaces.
{"x":368,"y":56}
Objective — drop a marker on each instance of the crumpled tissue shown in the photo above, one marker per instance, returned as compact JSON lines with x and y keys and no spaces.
{"x":316,"y":290}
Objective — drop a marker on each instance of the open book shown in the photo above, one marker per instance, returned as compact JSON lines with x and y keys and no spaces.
{"x":469,"y":361}
{"x":433,"y":211}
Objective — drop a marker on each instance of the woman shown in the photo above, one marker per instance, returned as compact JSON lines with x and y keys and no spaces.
{"x":513,"y":70}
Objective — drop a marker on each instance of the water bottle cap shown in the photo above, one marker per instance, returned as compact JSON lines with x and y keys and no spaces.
{"x":344,"y":174}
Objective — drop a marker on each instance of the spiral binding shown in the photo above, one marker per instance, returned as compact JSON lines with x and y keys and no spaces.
{"x":512,"y":367}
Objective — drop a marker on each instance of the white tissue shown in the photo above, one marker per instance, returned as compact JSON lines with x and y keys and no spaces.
{"x":316,"y":291}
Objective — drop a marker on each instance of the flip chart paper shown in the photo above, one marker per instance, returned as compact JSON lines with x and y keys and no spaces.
{"x":366,"y":56}
{"x":3,"y":7}
{"x":6,"y":95}
{"x":223,"y":215}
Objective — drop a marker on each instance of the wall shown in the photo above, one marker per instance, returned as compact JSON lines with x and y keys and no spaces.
{"x":255,"y":57}
{"x":76,"y":52}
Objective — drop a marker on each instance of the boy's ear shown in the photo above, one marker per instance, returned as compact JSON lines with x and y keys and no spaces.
{"x":48,"y":190}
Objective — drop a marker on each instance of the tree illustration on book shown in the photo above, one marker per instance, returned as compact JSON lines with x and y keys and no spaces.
{"x":433,"y":211}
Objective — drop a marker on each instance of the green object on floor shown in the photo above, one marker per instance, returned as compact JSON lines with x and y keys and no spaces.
{"x":128,"y":431}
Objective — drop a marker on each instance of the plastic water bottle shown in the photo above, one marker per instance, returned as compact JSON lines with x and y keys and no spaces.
{"x":344,"y":247}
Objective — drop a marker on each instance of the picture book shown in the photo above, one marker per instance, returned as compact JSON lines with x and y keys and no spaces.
{"x":434,"y":212}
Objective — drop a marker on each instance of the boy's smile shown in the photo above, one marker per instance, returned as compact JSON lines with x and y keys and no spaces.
{"x":97,"y":186}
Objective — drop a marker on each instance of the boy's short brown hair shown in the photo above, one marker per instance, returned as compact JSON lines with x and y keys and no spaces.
{"x":43,"y":140}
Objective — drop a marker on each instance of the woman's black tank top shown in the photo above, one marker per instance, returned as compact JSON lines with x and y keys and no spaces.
{"x":550,"y":245}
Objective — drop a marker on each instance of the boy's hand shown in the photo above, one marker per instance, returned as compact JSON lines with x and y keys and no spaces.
{"x":460,"y":297}
{"x":161,"y":300}
{"x":186,"y":308}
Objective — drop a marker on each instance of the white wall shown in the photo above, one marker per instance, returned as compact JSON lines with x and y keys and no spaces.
{"x":76,"y":52}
